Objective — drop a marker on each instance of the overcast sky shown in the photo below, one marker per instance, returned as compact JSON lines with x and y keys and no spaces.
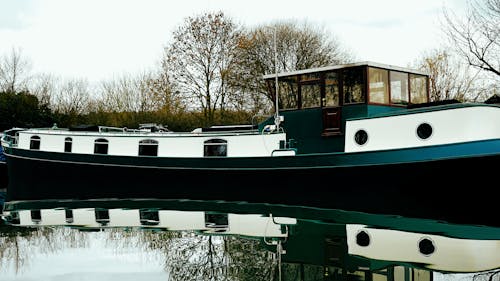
{"x":99,"y":39}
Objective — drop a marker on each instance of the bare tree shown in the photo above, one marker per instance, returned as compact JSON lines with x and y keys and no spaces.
{"x":299,"y":46}
{"x":72,"y":97}
{"x":476,"y":37}
{"x":200,"y":59}
{"x":14,"y":72}
{"x":451,"y":79}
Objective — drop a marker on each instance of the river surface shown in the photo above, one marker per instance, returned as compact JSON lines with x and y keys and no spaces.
{"x":199,"y":240}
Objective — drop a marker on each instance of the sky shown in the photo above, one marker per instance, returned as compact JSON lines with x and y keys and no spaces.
{"x":98,"y":40}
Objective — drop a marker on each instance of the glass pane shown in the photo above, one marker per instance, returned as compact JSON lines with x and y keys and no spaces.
{"x":331,"y":89}
{"x":35,"y":143}
{"x":353,"y":85}
{"x":148,"y":150}
{"x":418,"y":88}
{"x":378,"y":85}
{"x":288,"y":93}
{"x":399,"y":87}
{"x":215,"y":150}
{"x":67,"y":144}
{"x":101,"y":146}
{"x":311,"y":94}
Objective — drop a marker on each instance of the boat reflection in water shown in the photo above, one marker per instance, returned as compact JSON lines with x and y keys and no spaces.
{"x":239,"y":241}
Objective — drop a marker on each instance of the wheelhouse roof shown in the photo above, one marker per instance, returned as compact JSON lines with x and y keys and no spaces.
{"x":340,"y":66}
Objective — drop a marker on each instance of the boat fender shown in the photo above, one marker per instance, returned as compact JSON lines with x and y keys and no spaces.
{"x":269,"y":129}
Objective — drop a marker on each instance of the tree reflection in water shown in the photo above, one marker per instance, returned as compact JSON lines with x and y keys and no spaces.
{"x":19,"y":244}
{"x":185,"y":255}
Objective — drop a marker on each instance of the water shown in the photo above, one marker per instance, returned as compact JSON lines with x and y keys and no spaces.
{"x":199,"y":240}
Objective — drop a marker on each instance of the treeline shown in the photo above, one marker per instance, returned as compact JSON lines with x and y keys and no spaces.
{"x":211,"y":73}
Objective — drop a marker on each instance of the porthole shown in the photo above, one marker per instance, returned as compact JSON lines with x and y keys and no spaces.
{"x":424,"y":131}
{"x":362,"y":239}
{"x":361,"y":137}
{"x":426,"y":246}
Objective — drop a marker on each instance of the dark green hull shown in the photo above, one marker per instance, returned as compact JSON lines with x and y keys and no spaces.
{"x":453,"y":189}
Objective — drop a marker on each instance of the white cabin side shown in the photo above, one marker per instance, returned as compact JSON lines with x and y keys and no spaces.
{"x":168,"y":144}
{"x":449,"y":126}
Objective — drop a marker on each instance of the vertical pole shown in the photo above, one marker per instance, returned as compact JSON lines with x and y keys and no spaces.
{"x":277,"y":115}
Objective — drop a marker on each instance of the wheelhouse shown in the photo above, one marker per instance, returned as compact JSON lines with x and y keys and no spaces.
{"x":318,"y":101}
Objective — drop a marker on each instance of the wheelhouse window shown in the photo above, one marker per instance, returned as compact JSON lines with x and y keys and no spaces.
{"x":332,"y":92}
{"x":418,"y":89}
{"x":35,"y":143}
{"x":68,"y":143}
{"x":215,"y":147}
{"x":399,"y":87}
{"x":378,"y":85}
{"x":101,"y":146}
{"x":310,"y":90}
{"x":148,"y":148}
{"x":288,"y":92}
{"x":354,"y":85}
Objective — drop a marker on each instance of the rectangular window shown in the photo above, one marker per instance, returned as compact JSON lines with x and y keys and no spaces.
{"x":399,"y":87}
{"x":35,"y":143}
{"x":418,"y":89}
{"x":148,"y":148}
{"x":288,"y":93}
{"x":215,"y":147}
{"x":311,"y":95}
{"x":353,"y":85}
{"x":101,"y":146}
{"x":378,"y":85}
{"x":68,"y":144}
{"x":331,"y":89}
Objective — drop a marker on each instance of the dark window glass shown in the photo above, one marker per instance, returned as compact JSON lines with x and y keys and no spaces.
{"x":288,"y":92}
{"x":69,"y":215}
{"x":102,"y":216}
{"x":148,"y":148}
{"x":149,"y":217}
{"x":67,"y":144}
{"x":215,"y":147}
{"x":35,"y":143}
{"x":101,"y":146}
{"x":36,"y":215}
{"x":424,"y":131}
{"x":331,"y":89}
{"x":353,"y":85}
{"x":311,"y":95}
{"x":361,"y":137}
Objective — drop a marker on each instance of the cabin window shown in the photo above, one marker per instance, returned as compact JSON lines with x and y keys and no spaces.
{"x":148,"y":148}
{"x":215,"y":147}
{"x":288,"y":92}
{"x":68,"y":142}
{"x":310,"y":94}
{"x":399,"y":87}
{"x":149,"y":217}
{"x":418,"y":89}
{"x":424,"y":131}
{"x":101,"y":146}
{"x":331,"y":89}
{"x":353,"y":85}
{"x":68,"y":213}
{"x":378,"y":85}
{"x":35,"y":143}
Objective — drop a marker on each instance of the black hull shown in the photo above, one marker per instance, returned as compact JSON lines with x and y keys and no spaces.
{"x":452,"y":190}
{"x":3,"y":175}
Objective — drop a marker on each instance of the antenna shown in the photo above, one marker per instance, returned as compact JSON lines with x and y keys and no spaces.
{"x":277,"y":115}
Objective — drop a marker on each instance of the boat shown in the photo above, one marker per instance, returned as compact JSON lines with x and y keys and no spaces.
{"x":361,"y":137}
